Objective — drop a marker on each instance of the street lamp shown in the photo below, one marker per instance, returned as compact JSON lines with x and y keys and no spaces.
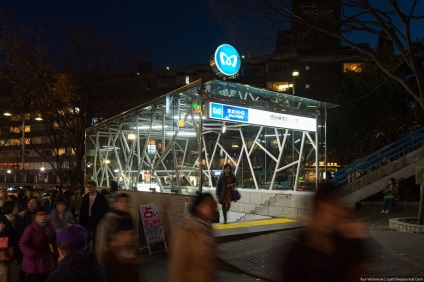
{"x":294,"y":75}
{"x":8,"y":176}
{"x":23,"y":117}
{"x":42,"y":177}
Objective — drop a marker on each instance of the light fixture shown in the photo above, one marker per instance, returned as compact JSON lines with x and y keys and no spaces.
{"x":224,"y":128}
{"x":7,"y":114}
{"x":234,"y":146}
{"x":42,"y":169}
{"x":295,"y":73}
{"x":116,"y":170}
{"x":9,"y":171}
{"x":107,"y":161}
{"x":38,"y":118}
{"x":131,"y":136}
{"x":182,"y":133}
{"x":148,"y":127}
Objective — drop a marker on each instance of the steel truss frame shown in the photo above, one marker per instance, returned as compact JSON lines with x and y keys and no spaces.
{"x":182,"y":132}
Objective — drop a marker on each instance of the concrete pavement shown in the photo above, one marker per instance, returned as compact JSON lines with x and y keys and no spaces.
{"x":390,"y":252}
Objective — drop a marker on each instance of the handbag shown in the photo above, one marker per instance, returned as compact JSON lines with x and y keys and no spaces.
{"x":235,"y":195}
{"x":4,"y":242}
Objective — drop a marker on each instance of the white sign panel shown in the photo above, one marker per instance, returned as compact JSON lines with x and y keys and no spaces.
{"x":260,"y":117}
{"x":152,"y":225}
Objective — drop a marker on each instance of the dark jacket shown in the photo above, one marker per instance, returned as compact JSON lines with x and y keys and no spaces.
{"x":221,"y":185}
{"x":98,"y":210}
{"x":78,"y":267}
{"x":13,"y":232}
{"x":120,"y":270}
{"x":35,"y":245}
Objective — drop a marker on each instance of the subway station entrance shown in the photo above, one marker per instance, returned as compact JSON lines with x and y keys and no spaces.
{"x":179,"y":142}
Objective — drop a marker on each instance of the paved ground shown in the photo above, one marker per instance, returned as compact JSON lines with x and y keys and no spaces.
{"x":391,"y":253}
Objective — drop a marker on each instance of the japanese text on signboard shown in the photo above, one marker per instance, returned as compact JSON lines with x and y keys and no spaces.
{"x":151,"y":223}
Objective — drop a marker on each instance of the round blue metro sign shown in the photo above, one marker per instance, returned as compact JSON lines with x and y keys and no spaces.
{"x":226,"y":60}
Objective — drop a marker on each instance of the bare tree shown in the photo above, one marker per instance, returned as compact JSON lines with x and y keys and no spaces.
{"x":69,"y":86}
{"x":391,"y":20}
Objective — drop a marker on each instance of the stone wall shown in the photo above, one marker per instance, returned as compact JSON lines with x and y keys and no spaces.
{"x":173,"y":208}
{"x":291,"y":204}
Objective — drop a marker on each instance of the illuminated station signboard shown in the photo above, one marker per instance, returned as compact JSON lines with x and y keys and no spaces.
{"x":259,"y":117}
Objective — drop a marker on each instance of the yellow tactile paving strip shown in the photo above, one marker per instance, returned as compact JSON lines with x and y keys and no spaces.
{"x":252,"y":223}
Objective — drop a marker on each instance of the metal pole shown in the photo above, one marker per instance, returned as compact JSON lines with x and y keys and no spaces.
{"x":23,"y":149}
{"x":201,"y":142}
{"x":421,"y":208}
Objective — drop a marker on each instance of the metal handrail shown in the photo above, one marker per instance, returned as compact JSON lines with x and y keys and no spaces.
{"x":380,"y":158}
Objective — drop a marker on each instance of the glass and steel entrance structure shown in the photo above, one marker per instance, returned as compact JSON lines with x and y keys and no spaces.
{"x":177,"y":144}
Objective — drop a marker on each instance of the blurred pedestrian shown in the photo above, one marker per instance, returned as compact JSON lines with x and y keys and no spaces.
{"x":192,"y":248}
{"x":391,"y":192}
{"x":113,"y":191}
{"x":120,"y":261}
{"x":94,"y":206}
{"x":332,"y":243}
{"x":26,"y":198}
{"x":29,"y":213}
{"x":74,"y":264}
{"x":226,"y":182}
{"x":60,"y":216}
{"x":38,"y":245}
{"x":106,"y":227}
{"x":11,"y":227}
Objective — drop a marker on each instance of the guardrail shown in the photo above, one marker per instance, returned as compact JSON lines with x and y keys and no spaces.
{"x":380,"y":160}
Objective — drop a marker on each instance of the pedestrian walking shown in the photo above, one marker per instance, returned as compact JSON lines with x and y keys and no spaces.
{"x":192,"y":248}
{"x":29,"y":213}
{"x":38,"y":245}
{"x":94,"y":206}
{"x":106,"y":228}
{"x":332,"y":244}
{"x":121,"y":261}
{"x":74,"y":264}
{"x":60,"y":216}
{"x":391,"y":192}
{"x":226,"y":182}
{"x":11,"y":228}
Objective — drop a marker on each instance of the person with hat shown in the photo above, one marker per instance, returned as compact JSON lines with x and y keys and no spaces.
{"x":38,"y":246}
{"x":94,"y":206}
{"x":74,"y":264}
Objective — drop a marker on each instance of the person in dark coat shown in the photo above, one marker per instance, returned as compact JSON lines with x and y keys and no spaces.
{"x":332,"y":243}
{"x":121,"y":261}
{"x":12,"y":227}
{"x":28,"y":214}
{"x":74,"y":264}
{"x":226,"y":182}
{"x":94,"y":206}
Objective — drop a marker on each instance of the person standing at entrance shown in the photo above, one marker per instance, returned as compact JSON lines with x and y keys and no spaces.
{"x":94,"y":206}
{"x":390,"y":194}
{"x":226,"y":182}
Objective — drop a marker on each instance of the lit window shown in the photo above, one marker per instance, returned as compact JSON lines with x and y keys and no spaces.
{"x":306,"y":67}
{"x":307,"y":86}
{"x":187,"y":79}
{"x":278,"y":86}
{"x":352,"y":67}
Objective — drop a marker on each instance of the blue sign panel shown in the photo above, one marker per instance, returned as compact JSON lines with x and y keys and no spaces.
{"x":226,"y":60}
{"x":217,"y":111}
{"x":236,"y":114}
{"x":231,"y":113}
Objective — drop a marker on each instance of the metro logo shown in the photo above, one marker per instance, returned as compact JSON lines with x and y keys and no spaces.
{"x":226,"y":60}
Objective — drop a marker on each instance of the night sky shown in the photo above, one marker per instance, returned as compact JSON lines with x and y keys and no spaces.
{"x":174,"y":33}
